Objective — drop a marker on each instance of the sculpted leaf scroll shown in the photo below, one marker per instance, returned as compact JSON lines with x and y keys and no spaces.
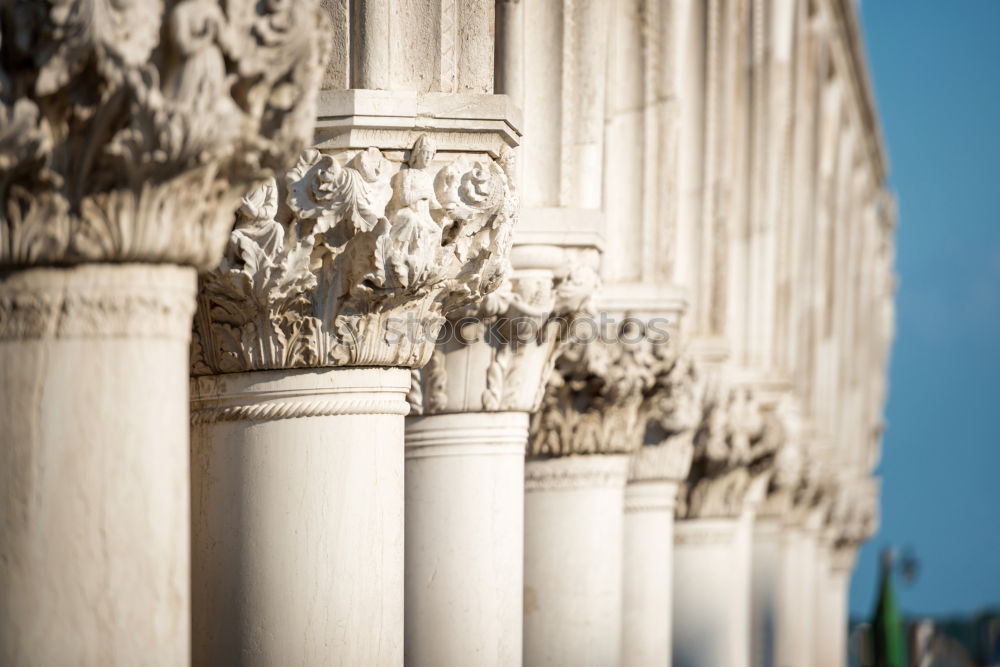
{"x":130,"y":129}
{"x":354,"y":260}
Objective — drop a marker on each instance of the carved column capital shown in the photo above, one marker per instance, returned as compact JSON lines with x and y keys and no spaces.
{"x":354,"y":257}
{"x":733,"y":441}
{"x":671,"y":412}
{"x":784,"y":467}
{"x":855,"y":522}
{"x":593,"y":399}
{"x":497,"y":356}
{"x":129,"y":130}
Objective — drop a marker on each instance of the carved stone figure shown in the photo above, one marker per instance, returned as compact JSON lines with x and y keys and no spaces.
{"x":511,"y":340}
{"x":344,"y":263}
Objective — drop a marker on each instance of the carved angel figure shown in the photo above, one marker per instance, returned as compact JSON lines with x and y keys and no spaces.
{"x":257,"y":238}
{"x":415,"y":235}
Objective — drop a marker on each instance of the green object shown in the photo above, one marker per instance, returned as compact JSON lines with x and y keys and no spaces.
{"x":887,"y":625}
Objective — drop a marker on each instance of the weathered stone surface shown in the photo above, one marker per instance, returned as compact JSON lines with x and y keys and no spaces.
{"x":129,"y":130}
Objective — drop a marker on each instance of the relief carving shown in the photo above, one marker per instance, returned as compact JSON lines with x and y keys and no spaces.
{"x":733,"y":444}
{"x":130,"y":129}
{"x":510,"y":340}
{"x":593,"y":399}
{"x":671,"y":412}
{"x":353,"y":260}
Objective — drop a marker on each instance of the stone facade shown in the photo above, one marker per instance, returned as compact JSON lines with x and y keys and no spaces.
{"x":438,"y":333}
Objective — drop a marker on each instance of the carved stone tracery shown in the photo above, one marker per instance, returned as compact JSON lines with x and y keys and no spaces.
{"x":353,"y":260}
{"x":130,"y":129}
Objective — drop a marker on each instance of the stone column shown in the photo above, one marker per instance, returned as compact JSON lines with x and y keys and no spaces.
{"x":774,"y":564}
{"x":671,"y":412}
{"x":120,"y":170}
{"x":712,"y":553}
{"x":467,"y":434}
{"x":574,"y":503}
{"x":336,"y":281}
{"x":853,"y":521}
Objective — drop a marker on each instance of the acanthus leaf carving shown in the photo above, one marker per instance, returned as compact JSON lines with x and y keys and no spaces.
{"x":732,"y":440}
{"x":511,"y":340}
{"x":671,"y":411}
{"x":131,"y":129}
{"x":593,"y":399}
{"x":354,"y":260}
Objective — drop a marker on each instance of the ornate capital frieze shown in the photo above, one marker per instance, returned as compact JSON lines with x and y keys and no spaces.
{"x":732,"y":444}
{"x":130,"y":129}
{"x":593,"y":399}
{"x":354,"y":258}
{"x":497,"y":356}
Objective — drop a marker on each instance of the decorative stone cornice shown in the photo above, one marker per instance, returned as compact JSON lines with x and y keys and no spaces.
{"x":671,"y":411}
{"x":354,"y":258}
{"x":593,"y":399}
{"x":734,"y":441}
{"x":498,"y":356}
{"x":129,"y":130}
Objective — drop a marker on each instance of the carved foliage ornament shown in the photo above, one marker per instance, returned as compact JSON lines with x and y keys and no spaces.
{"x":521,"y":327}
{"x":671,"y":412}
{"x":732,"y":444}
{"x":353,"y":260}
{"x":129,"y":129}
{"x":593,"y":399}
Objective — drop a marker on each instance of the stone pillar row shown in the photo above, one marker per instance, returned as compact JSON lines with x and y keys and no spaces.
{"x":128,"y":133}
{"x":266,"y":404}
{"x":336,"y":282}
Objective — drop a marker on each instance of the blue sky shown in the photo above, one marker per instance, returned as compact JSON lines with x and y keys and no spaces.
{"x":936,"y":69}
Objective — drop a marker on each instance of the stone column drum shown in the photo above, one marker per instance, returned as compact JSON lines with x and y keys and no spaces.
{"x":465,"y":447}
{"x":575,"y":501}
{"x":671,"y":412}
{"x":298,"y":523}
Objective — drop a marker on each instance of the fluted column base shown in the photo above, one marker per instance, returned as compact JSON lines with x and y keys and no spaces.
{"x":297,"y":517}
{"x":574,"y":530}
{"x":464,"y":538}
{"x":648,"y":572}
{"x":94,"y":546}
